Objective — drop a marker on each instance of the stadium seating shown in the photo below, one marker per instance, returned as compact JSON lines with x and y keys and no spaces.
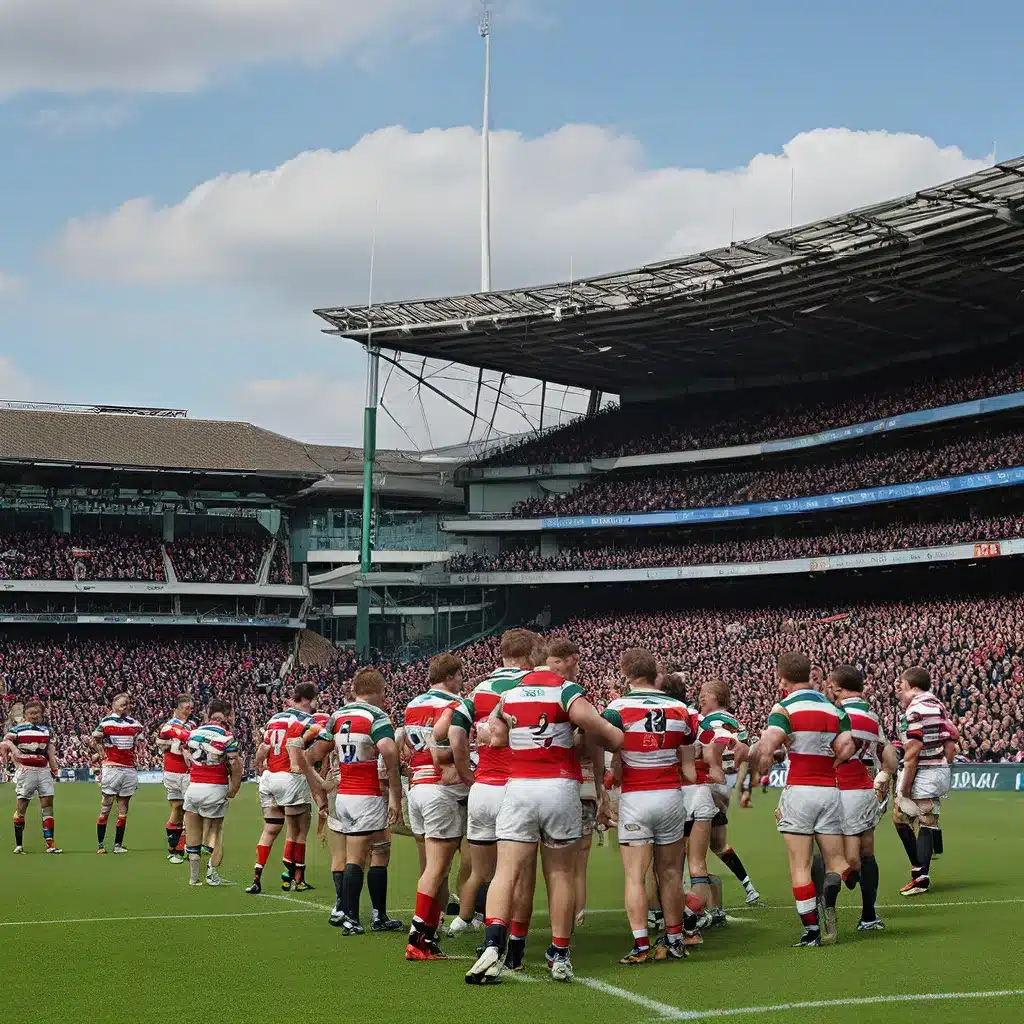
{"x":924,"y":458}
{"x":641,"y":553}
{"x":706,"y":421}
{"x":110,"y":555}
{"x":218,"y":559}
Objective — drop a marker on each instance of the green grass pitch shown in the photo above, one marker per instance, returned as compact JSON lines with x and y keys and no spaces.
{"x":125,"y":939}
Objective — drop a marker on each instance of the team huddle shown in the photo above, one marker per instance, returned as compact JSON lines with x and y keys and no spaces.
{"x":521,"y":764}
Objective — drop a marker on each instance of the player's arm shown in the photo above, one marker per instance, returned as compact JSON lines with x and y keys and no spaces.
{"x":844,"y":746}
{"x":234,"y":771}
{"x":298,"y":748}
{"x":389,"y":751}
{"x":262,"y":752}
{"x":460,"y":722}
{"x":319,"y":752}
{"x":688,"y":762}
{"x":911,"y":755}
{"x":600,"y":731}
{"x":740,"y":754}
{"x":773,"y":738}
{"x":498,"y":726}
{"x":712,"y":753}
{"x":442,"y":725}
{"x":96,"y":742}
{"x":51,"y":758}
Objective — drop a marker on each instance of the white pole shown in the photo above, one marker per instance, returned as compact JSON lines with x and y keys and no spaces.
{"x":485,"y":165}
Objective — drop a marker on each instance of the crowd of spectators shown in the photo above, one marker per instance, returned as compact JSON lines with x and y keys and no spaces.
{"x":218,"y":559}
{"x":109,"y":555}
{"x":974,"y":649}
{"x":639,"y":553}
{"x":707,"y":421}
{"x":926,"y":458}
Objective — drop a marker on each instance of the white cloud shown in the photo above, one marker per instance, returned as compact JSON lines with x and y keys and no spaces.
{"x":80,"y":119}
{"x":582,"y":195}
{"x":16,"y":386}
{"x":177,"y":45}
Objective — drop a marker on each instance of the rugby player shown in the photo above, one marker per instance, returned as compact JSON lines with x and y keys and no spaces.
{"x":861,"y":807}
{"x":437,"y":802}
{"x":928,"y":746}
{"x":359,"y":732}
{"x":714,"y":701}
{"x":215,"y":776}
{"x":488,"y":781}
{"x":29,"y":744}
{"x":287,"y":786}
{"x":588,"y":801}
{"x":658,"y":737}
{"x":541,"y":804}
{"x":818,"y":737}
{"x":115,"y":741}
{"x":171,"y":738}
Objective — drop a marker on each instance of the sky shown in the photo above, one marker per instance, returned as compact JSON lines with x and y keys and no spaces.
{"x":185,"y":180}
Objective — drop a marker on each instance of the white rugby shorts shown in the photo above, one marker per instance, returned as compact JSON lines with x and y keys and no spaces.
{"x":118,"y":780}
{"x":655,"y":816}
{"x":545,"y":811}
{"x":437,"y":812}
{"x":482,"y":812}
{"x":285,"y":790}
{"x":176,"y":783}
{"x":811,"y":811}
{"x":32,"y":781}
{"x":207,"y":799}
{"x":700,"y":805}
{"x":861,"y":811}
{"x":932,"y":782}
{"x":359,"y":815}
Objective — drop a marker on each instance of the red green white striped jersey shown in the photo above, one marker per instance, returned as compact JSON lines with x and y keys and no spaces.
{"x":175,"y":731}
{"x":290,"y":724}
{"x":540,"y":732}
{"x":721,"y":728}
{"x":420,"y":717}
{"x":928,"y":722}
{"x":858,"y":772}
{"x":118,"y":736}
{"x":493,"y":765}
{"x":209,"y":748}
{"x":30,"y":743}
{"x":811,"y":723}
{"x":655,"y":726}
{"x":356,"y":729}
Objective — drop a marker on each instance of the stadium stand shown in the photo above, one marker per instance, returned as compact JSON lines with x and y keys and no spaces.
{"x":111,"y":555}
{"x":926,"y":457}
{"x":697,"y":421}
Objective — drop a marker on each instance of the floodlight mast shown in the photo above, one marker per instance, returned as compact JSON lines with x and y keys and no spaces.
{"x":485,"y":163}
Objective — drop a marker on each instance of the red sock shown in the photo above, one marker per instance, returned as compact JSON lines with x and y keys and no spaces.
{"x":180,"y":848}
{"x":300,"y":861}
{"x":559,"y":943}
{"x":424,"y":907}
{"x":289,"y":851}
{"x":262,"y":856}
{"x":806,"y":904}
{"x":122,"y":820}
{"x":488,"y":921}
{"x":519,"y":929}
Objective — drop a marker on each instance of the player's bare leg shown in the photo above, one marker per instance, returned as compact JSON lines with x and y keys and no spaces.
{"x":514,"y":862}
{"x":559,"y":866}
{"x":338,"y":845}
{"x":294,"y":845}
{"x":305,"y":819}
{"x":194,"y":847}
{"x":46,"y":811}
{"x":580,"y":887}
{"x":637,"y":862}
{"x":728,"y":856}
{"x":213,"y":847}
{"x":522,"y":912}
{"x":668,"y":866}
{"x":20,"y":809}
{"x":697,"y":850}
{"x":273,"y":822}
{"x":482,"y":859}
{"x":121,"y":824}
{"x":175,"y":827}
{"x":430,"y":897}
{"x":106,"y":803}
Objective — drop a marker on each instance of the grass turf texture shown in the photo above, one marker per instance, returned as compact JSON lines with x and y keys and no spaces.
{"x":64,"y":957}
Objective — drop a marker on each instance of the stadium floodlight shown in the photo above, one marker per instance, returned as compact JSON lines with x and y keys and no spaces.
{"x":485,"y":154}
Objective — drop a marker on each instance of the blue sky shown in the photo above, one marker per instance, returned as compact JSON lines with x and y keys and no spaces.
{"x":207,"y":305}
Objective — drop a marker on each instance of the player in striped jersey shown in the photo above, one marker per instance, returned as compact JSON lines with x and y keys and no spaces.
{"x":657,"y":737}
{"x":215,"y":776}
{"x":929,"y":744}
{"x":437,"y":802}
{"x":858,"y":789}
{"x":541,"y":805}
{"x":726,"y":732}
{"x":818,"y":737}
{"x":359,"y":732}
{"x":115,"y":740}
{"x":170,"y":740}
{"x":29,"y":744}
{"x":488,"y":787}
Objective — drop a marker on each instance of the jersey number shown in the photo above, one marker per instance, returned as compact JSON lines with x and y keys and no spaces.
{"x":277,"y":739}
{"x":654,"y":721}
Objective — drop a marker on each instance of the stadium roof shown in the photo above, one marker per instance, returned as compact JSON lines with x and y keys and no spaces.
{"x":938,"y":270}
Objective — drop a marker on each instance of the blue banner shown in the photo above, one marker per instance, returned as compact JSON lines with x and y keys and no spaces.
{"x":919,"y":418}
{"x":844,"y":499}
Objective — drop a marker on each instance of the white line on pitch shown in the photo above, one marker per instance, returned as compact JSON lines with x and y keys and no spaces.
{"x":914,"y":903}
{"x":663,"y":1010}
{"x":921,"y":997}
{"x":148,"y":917}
